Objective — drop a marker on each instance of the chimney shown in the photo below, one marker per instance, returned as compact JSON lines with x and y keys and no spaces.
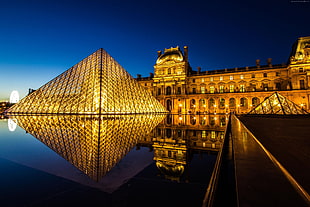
{"x":158,"y":53}
{"x":258,"y":63}
{"x":269,"y":62}
{"x":198,"y":70}
{"x":151,"y":75}
{"x":186,"y":53}
{"x":138,"y":76}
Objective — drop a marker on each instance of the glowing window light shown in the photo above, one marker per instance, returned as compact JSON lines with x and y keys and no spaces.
{"x":14,"y":97}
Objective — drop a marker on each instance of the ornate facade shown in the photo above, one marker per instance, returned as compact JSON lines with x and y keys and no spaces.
{"x":182,"y":90}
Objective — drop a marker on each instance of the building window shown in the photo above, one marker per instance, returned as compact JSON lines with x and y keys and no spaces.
{"x":169,"y":70}
{"x":202,"y":102}
{"x":212,"y":134}
{"x":168,"y":90}
{"x":241,"y":76}
{"x":231,"y":88}
{"x":265,"y":75}
{"x":211,"y":103}
{"x":255,"y":101}
{"x":265,"y":86}
{"x":203,"y":90}
{"x":202,"y":80}
{"x":193,"y":80}
{"x":232,"y":103}
{"x":159,"y":91}
{"x":212,"y":123}
{"x":243,"y":102}
{"x":301,"y":70}
{"x":193,"y":104}
{"x":242,"y":88}
{"x":193,"y":122}
{"x":222,"y":103}
{"x":302,"y":84}
{"x":231,"y":77}
{"x":253,"y":75}
{"x":179,"y":90}
{"x":277,"y":73}
{"x":221,"y":78}
{"x":221,"y":89}
{"x":278,"y":86}
{"x":194,"y":90}
{"x":211,"y":79}
{"x":211,"y":89}
{"x":203,"y":133}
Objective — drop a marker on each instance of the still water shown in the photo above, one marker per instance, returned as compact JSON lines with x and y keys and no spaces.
{"x":141,"y":160}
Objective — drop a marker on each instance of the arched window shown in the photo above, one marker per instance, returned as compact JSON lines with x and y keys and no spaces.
{"x":169,"y":105}
{"x":202,"y":103}
{"x":244,"y":102}
{"x":222,"y":103}
{"x":222,"y":121}
{"x":232,"y":103}
{"x":212,"y":120}
{"x":255,"y":101}
{"x":211,"y":103}
{"x":193,"y":120}
{"x":193,"y":104}
{"x":168,"y":90}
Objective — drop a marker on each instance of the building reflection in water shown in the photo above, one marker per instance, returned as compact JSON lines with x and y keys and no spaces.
{"x":179,"y":137}
{"x":95,"y":144}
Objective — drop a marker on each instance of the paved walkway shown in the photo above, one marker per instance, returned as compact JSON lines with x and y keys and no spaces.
{"x":259,"y":181}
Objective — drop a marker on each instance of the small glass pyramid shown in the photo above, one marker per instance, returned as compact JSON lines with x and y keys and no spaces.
{"x":277,"y":104}
{"x":95,"y":85}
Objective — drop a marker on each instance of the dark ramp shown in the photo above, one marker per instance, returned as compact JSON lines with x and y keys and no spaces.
{"x":259,"y":181}
{"x":288,"y":139}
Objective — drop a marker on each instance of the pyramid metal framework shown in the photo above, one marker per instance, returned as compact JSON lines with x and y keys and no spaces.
{"x":92,"y":143}
{"x":277,"y":104}
{"x":95,"y":85}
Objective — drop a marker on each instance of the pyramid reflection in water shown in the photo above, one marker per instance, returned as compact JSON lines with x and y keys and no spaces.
{"x":93,"y":144}
{"x":277,"y":104}
{"x":96,"y":85}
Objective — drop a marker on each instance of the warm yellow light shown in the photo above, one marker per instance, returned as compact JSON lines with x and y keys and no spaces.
{"x":204,"y":106}
{"x":302,"y":105}
{"x":180,"y":105}
{"x":214,"y":105}
{"x":194,"y":106}
{"x":180,"y":118}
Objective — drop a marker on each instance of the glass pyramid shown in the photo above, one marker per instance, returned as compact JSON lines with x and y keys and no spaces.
{"x":95,"y":85}
{"x":277,"y":104}
{"x":92,"y":143}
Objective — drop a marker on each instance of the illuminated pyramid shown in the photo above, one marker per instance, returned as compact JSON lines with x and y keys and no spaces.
{"x":277,"y":104}
{"x":96,"y":85}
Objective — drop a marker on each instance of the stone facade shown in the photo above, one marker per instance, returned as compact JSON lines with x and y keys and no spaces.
{"x":182,"y":90}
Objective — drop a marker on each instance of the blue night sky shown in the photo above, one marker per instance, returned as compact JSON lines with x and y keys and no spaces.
{"x":39,"y":39}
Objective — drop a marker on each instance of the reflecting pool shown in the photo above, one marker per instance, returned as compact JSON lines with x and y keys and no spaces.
{"x":124,"y":160}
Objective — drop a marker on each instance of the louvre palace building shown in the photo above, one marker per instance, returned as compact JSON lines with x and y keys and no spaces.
{"x":183,"y":90}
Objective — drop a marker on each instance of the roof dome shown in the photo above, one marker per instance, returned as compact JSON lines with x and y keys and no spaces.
{"x":172,"y":54}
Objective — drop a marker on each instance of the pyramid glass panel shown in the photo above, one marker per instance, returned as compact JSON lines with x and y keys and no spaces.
{"x":277,"y":104}
{"x":92,"y":143}
{"x":96,"y":85}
